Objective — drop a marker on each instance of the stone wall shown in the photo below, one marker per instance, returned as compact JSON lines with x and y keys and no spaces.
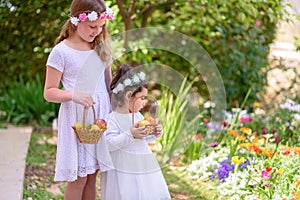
{"x":284,"y":74}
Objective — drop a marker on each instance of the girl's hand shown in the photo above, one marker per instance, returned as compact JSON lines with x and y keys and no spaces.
{"x":138,"y":132}
{"x":83,"y":98}
{"x":159,"y":130}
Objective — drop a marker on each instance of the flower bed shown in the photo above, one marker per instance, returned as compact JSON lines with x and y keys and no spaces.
{"x":257,"y":157}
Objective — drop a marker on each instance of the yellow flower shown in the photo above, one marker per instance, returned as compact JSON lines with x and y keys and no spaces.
{"x":247,"y":131}
{"x":232,"y":142}
{"x":280,"y":171}
{"x":236,"y":160}
{"x":242,"y":138}
{"x":256,"y":104}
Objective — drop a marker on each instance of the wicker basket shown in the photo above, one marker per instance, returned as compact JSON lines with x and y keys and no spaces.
{"x":150,"y":128}
{"x":85,"y":135}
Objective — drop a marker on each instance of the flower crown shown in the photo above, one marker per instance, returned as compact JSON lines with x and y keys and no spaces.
{"x":134,"y":80}
{"x":92,"y":16}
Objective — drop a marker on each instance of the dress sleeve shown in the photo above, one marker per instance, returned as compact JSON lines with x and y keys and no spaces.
{"x":117,"y":139}
{"x":56,"y":60}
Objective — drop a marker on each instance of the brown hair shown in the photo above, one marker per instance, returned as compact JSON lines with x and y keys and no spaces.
{"x":120,"y":75}
{"x":101,"y":43}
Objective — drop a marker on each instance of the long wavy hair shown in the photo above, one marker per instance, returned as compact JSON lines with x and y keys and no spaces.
{"x":101,"y":43}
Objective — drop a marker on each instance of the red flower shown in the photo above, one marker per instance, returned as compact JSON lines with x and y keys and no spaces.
{"x":198,"y":137}
{"x":268,"y":169}
{"x":205,"y":120}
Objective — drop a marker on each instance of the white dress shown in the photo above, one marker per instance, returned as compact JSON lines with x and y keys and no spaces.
{"x":137,"y":174}
{"x":82,"y":71}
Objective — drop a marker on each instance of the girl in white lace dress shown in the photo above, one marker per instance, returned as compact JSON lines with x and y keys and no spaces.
{"x":137,"y":174}
{"x":80,"y":61}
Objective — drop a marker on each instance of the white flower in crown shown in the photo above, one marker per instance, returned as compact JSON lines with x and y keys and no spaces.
{"x":142,"y":76}
{"x":115,"y":91}
{"x":109,"y":12}
{"x":127,"y":82}
{"x":120,"y":87}
{"x":92,"y":16}
{"x":136,"y":79}
{"x":74,"y":20}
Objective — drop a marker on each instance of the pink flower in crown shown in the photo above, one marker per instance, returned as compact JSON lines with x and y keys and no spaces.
{"x":82,"y":17}
{"x":103,"y":16}
{"x":110,"y":17}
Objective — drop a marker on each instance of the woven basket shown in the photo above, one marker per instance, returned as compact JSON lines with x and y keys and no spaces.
{"x":85,"y":135}
{"x":150,"y":128}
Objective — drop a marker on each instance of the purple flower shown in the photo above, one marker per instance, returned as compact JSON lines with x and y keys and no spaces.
{"x":264,"y":130}
{"x":277,"y":139}
{"x":222,"y":172}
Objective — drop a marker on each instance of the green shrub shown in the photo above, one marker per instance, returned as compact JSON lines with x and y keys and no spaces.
{"x":23,"y":103}
{"x":179,"y":123}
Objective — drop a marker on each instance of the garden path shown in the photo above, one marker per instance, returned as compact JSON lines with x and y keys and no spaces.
{"x":14,"y":142}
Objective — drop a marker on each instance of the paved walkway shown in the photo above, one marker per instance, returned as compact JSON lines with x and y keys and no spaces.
{"x":14,"y":142}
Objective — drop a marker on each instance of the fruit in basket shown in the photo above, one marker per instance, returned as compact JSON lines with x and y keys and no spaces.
{"x":78,"y":125}
{"x":149,"y":119}
{"x":101,"y":123}
{"x":143,"y":123}
{"x":95,"y":127}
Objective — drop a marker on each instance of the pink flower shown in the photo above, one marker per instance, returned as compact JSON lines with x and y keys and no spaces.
{"x":214,"y":144}
{"x":265,"y":174}
{"x":82,"y":17}
{"x":258,"y":23}
{"x":246,"y":119}
{"x":103,"y":16}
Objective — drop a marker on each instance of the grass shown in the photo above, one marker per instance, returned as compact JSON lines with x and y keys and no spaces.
{"x":40,"y":164}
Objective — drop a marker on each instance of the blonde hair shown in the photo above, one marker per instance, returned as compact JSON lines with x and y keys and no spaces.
{"x":101,"y":43}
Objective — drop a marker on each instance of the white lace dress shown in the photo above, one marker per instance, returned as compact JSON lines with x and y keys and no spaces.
{"x":83,"y":71}
{"x":137,"y":174}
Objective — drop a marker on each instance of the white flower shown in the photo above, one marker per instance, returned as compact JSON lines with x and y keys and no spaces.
{"x":136,"y":79}
{"x":92,"y":16}
{"x":109,"y":12}
{"x":142,"y":76}
{"x":297,"y":117}
{"x":127,"y":82}
{"x":115,"y":91}
{"x":120,"y":87}
{"x":74,"y":20}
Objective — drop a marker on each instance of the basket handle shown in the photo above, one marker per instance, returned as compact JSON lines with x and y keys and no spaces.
{"x":144,"y":96}
{"x":84,"y":115}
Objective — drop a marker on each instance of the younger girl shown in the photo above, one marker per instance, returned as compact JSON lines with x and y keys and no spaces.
{"x":137,"y":175}
{"x":80,"y":61}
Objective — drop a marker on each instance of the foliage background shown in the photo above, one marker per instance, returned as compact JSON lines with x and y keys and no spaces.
{"x":236,"y":34}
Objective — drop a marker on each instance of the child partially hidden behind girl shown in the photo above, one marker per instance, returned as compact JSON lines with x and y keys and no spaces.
{"x":137,"y":175}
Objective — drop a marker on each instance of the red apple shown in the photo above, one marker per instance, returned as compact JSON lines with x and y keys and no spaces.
{"x":101,"y":123}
